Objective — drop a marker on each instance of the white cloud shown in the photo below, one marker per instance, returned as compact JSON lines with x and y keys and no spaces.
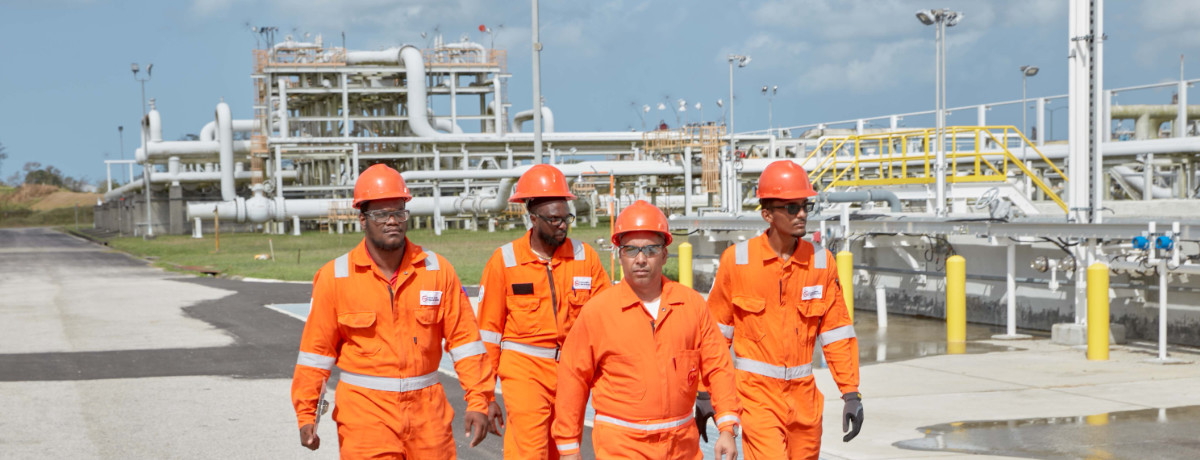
{"x":1170,"y":14}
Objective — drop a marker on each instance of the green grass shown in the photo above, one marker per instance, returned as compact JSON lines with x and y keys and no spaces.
{"x":297,"y":258}
{"x":19,"y":216}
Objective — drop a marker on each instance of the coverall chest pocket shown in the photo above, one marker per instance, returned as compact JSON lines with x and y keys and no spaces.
{"x":751,"y":315}
{"x":622,"y":372}
{"x":575,"y":303}
{"x":814,"y":301}
{"x":523,"y":311}
{"x":359,"y":328}
{"x":687,"y":371}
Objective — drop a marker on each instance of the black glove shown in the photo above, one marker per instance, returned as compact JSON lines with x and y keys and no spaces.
{"x":704,"y":412}
{"x":852,"y":414}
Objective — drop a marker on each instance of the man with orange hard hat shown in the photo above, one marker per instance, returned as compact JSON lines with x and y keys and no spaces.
{"x":641,"y":349}
{"x":381,"y":313}
{"x":775,"y":297}
{"x":532,"y":290}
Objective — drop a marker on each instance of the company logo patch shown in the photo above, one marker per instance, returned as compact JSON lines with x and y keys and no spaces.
{"x":812,"y":292}
{"x":431,"y":297}
{"x":582,"y":282}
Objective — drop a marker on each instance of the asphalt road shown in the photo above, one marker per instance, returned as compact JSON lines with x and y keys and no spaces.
{"x":104,"y":356}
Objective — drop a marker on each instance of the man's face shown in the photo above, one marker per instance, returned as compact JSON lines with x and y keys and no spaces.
{"x":787,"y":217}
{"x":541,"y":214}
{"x":642,"y":269}
{"x":389,"y":234}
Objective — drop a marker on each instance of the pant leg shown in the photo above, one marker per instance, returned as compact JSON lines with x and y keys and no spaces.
{"x":429,"y":418}
{"x":804,"y":419}
{"x":367,"y":425}
{"x":528,"y":386}
{"x":764,"y":411}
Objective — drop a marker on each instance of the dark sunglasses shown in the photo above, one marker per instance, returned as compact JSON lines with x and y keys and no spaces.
{"x":794,"y":208}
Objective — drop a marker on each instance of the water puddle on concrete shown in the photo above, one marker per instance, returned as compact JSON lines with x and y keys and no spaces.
{"x":1172,"y":433}
{"x":907,"y":337}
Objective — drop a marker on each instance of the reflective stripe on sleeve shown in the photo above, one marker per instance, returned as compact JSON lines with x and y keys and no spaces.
{"x":836,"y":334}
{"x":341,"y":266}
{"x":315,"y":360}
{"x":579,"y":252}
{"x":570,"y":446}
{"x":729,"y":418}
{"x":741,"y":253}
{"x":510,"y":256}
{"x":431,"y":261}
{"x":819,"y":256}
{"x":490,"y":336}
{"x":467,"y":350}
{"x":726,"y":331}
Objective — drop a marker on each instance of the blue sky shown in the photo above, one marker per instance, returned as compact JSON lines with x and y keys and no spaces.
{"x":67,"y":83}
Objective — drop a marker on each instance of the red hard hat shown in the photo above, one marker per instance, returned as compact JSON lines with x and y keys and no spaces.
{"x":380,"y":182}
{"x":784,"y":180}
{"x":641,"y":216}
{"x":541,"y":181}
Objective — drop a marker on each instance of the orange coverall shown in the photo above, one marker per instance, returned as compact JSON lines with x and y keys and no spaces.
{"x":387,"y":340}
{"x":643,"y":375}
{"x":774,"y":312}
{"x":526,"y":309}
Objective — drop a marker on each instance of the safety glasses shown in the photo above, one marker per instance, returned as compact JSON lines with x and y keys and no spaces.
{"x":650,"y":250}
{"x":382,"y":215}
{"x":556,"y":220}
{"x":794,"y":208}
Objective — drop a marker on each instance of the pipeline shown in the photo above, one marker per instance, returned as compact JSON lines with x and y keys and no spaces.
{"x":863,"y":196}
{"x":525,"y":115}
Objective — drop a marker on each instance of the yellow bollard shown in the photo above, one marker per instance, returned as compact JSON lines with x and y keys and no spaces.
{"x":956,"y":304}
{"x":845,"y":266}
{"x":1097,"y":312}
{"x":685,"y":264}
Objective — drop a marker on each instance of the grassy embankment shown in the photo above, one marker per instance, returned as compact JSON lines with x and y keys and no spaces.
{"x":297,"y":258}
{"x":44,"y":205}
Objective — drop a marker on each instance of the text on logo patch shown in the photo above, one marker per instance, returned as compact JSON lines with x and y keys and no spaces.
{"x":431,"y":297}
{"x":582,"y":282}
{"x":811,"y":292}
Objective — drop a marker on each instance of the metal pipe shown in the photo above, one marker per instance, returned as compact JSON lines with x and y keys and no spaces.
{"x":864,"y":196}
{"x":525,"y":115}
{"x":225,"y":140}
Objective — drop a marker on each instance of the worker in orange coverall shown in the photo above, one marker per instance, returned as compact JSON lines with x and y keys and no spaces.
{"x":531,"y":293}
{"x":775,"y":297}
{"x":381,"y":313}
{"x":641,"y":349}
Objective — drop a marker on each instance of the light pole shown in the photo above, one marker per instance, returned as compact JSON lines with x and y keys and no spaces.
{"x":731,"y":177}
{"x":770,"y":107}
{"x":942,"y":18}
{"x":145,"y":145}
{"x":1026,"y":72}
{"x":537,"y":89}
{"x":1050,"y":121}
{"x":121,"y":134}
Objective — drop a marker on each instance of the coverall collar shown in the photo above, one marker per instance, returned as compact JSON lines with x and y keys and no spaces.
{"x":799,"y":256}
{"x":359,"y":256}
{"x":626,"y":298}
{"x":523,"y":249}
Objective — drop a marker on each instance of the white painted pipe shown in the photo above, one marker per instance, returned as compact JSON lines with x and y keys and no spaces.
{"x":1138,"y":182}
{"x":189,"y":151}
{"x":602,"y":168}
{"x":225,"y":141}
{"x":186,"y":177}
{"x":526,"y":115}
{"x":414,"y":68}
{"x":209,"y":131}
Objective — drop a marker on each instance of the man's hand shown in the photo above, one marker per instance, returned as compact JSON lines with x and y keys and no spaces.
{"x":726,"y":448}
{"x":496,"y":416}
{"x":571,"y":457}
{"x":309,"y":438}
{"x":852,"y":414}
{"x":477,"y":424}
{"x":704,"y":413}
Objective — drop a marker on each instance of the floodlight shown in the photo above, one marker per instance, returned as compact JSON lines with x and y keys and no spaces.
{"x":1029,"y":70}
{"x":925,"y":16}
{"x":134,"y":67}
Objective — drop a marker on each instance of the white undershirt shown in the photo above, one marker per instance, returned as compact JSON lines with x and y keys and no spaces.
{"x":652,"y":307}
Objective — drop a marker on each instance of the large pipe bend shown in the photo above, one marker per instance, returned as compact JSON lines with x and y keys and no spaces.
{"x":414,"y":68}
{"x":525,"y":115}
{"x":224,"y":121}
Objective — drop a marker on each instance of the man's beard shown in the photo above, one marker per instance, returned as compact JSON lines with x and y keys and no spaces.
{"x":382,"y":243}
{"x":550,"y":239}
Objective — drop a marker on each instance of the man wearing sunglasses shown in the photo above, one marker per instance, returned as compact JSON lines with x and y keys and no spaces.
{"x":640,"y":350}
{"x":532,"y":291}
{"x":381,"y":313}
{"x":776,"y":297}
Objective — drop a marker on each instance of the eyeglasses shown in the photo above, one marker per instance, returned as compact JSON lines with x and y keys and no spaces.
{"x":556,"y":220}
{"x":794,"y":208}
{"x":650,"y":250}
{"x":382,"y":215}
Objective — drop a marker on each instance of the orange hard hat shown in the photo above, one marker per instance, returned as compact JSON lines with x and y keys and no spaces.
{"x":641,"y":216}
{"x":541,"y":181}
{"x":380,"y":182}
{"x":784,"y":180}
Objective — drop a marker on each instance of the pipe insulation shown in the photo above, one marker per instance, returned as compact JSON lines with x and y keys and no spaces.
{"x":526,"y":115}
{"x":224,"y":121}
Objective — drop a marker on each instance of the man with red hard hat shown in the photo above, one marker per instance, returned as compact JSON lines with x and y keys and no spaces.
{"x":381,"y":313}
{"x":532,"y":291}
{"x":775,"y":297}
{"x":640,"y":350}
